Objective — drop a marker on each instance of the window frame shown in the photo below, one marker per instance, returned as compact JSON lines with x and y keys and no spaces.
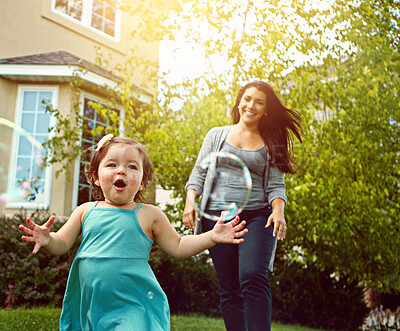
{"x":87,"y":12}
{"x":15,"y":147}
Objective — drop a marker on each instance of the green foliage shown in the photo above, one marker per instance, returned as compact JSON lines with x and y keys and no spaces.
{"x":306,"y":295}
{"x":66,"y":143}
{"x":302,"y":293}
{"x":344,"y":201}
{"x":63,"y":144}
{"x":37,"y":279}
{"x":190,"y":284}
{"x":174,"y":145}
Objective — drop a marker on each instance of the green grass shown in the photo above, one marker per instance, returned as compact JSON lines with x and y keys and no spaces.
{"x":46,"y":319}
{"x":201,"y":323}
{"x":38,"y":319}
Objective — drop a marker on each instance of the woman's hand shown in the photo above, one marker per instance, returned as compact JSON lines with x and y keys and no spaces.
{"x":277,"y":217}
{"x":230,"y":232}
{"x":190,"y":210}
{"x":40,"y":234}
{"x":279,"y":224}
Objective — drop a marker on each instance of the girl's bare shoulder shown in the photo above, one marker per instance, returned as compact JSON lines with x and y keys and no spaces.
{"x":86,"y":206}
{"x":150,"y":212}
{"x":82,"y":209}
{"x":149,"y":218}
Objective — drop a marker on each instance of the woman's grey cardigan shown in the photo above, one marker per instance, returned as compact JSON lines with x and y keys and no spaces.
{"x":201,"y":179}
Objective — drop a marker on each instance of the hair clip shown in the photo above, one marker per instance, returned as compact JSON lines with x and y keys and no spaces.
{"x":104,"y":141}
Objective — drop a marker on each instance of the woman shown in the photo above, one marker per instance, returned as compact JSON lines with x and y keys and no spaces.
{"x":262,"y":136}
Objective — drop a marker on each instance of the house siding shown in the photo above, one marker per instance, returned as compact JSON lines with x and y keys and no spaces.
{"x":29,"y":28}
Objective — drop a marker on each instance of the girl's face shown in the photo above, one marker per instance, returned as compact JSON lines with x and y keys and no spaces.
{"x":252,"y":106}
{"x":120,"y":174}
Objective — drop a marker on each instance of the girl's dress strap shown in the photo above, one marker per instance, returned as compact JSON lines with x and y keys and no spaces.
{"x":93,"y":206}
{"x":90,"y":210}
{"x":137,"y":207}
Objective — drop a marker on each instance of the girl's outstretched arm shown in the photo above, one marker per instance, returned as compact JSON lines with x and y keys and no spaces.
{"x":40,"y":235}
{"x":55,"y":243}
{"x":185,"y":246}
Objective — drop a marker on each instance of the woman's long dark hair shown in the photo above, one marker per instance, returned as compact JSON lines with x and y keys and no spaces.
{"x":277,"y":129}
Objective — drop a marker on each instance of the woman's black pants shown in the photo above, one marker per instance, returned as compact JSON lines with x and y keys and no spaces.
{"x":242,"y":272}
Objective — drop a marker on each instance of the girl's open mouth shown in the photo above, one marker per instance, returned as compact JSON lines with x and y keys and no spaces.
{"x":119,"y":184}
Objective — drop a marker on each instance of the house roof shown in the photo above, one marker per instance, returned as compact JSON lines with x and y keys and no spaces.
{"x":59,"y":58}
{"x":59,"y":65}
{"x":44,"y":58}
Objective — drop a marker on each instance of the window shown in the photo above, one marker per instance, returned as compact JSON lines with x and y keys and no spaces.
{"x":100,"y":15}
{"x":29,"y":184}
{"x":92,"y":120}
{"x":71,"y":8}
{"x":103,"y":17}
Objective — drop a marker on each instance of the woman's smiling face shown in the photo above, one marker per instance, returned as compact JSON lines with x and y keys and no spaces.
{"x":120,"y":174}
{"x":252,"y":106}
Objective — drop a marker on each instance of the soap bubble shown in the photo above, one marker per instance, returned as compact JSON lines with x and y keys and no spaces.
{"x":28,"y":169}
{"x":227,"y":170}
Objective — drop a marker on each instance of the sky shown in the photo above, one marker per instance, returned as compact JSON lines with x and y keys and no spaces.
{"x":186,"y":60}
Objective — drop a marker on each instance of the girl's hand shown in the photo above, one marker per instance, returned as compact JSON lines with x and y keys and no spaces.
{"x":279,"y":224}
{"x":40,"y":234}
{"x":230,"y":232}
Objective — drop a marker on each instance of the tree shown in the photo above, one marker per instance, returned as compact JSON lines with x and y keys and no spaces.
{"x":345,"y":199}
{"x":339,"y":65}
{"x":175,"y":144}
{"x":138,"y":121}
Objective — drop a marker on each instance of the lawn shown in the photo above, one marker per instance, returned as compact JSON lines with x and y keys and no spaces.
{"x":46,"y":319}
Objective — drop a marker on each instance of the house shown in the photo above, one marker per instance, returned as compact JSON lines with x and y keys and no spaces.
{"x":44,"y":43}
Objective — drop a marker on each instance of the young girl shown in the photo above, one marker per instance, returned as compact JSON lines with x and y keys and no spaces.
{"x":111,"y":285}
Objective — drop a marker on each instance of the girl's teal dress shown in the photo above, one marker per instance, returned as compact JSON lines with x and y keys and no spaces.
{"x":111,"y":285}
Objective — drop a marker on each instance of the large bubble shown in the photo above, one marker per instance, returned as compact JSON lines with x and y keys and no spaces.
{"x":228,"y":171}
{"x":28,"y":166}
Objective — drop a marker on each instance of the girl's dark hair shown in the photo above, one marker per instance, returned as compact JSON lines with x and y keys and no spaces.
{"x":93,"y":166}
{"x":277,"y":129}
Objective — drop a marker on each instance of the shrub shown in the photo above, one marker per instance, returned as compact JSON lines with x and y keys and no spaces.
{"x":190,"y":284}
{"x":37,"y":279}
{"x":390,"y":300}
{"x":303,"y":294}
